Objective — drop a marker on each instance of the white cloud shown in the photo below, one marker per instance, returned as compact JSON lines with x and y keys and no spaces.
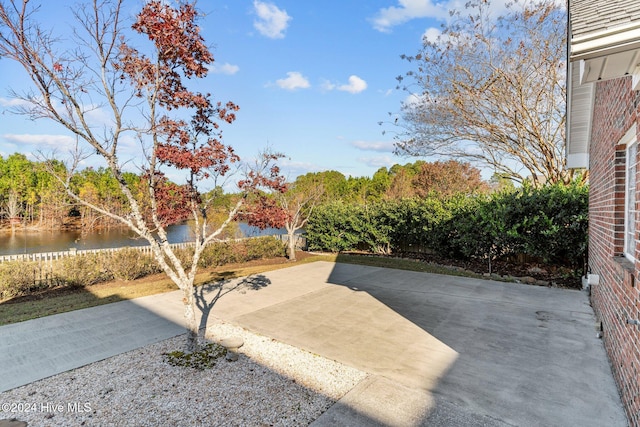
{"x":431,"y":35}
{"x":13,"y":102}
{"x":382,"y":146}
{"x":225,"y":68}
{"x":407,"y":10}
{"x":414,"y":100}
{"x":327,"y":85}
{"x":54,"y":141}
{"x":378,"y":161}
{"x":98,"y":116}
{"x":272,"y":22}
{"x":294,"y":80}
{"x":292,"y":169}
{"x":356,"y":85}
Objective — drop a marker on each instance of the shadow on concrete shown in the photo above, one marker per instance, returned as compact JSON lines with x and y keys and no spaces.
{"x":49,"y":301}
{"x":472,"y":352}
{"x":440,"y":350}
{"x":207,"y":295}
{"x":38,"y":348}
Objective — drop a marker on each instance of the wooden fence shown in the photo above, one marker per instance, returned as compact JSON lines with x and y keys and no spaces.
{"x":301,"y":243}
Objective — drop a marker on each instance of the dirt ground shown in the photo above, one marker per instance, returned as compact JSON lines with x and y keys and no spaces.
{"x":557,"y":276}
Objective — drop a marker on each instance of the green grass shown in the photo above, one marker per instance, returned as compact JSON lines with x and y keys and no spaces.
{"x":61,"y":300}
{"x":69,"y":299}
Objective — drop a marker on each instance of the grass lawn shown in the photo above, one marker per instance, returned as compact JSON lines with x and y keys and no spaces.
{"x":61,"y":300}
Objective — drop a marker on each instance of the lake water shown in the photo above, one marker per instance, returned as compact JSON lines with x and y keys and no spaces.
{"x":54,"y":241}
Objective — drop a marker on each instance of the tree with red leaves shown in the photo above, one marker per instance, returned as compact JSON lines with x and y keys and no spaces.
{"x":288,"y":209}
{"x":298,"y":203}
{"x":146,"y":97}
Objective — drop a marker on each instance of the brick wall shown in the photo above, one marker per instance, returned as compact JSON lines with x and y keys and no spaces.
{"x":617,"y":297}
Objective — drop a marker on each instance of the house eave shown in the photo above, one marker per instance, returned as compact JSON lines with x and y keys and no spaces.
{"x":580,"y":99}
{"x":603,"y":43}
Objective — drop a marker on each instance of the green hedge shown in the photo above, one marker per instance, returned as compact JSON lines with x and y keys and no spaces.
{"x":384,"y":227}
{"x":548,"y":223}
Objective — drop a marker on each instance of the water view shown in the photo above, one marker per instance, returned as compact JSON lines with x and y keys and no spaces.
{"x":53,"y":241}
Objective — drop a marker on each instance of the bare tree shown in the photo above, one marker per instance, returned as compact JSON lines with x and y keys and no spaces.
{"x":12,"y":209}
{"x":143,"y":93}
{"x":298,"y":204}
{"x":491,"y":90}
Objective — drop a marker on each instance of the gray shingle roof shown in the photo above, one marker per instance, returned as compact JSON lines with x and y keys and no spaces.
{"x":593,"y":16}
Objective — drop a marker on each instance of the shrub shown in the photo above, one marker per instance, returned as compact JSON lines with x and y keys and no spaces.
{"x":397,"y":225}
{"x":221,"y":253}
{"x":264,"y":247}
{"x":339,"y":226}
{"x":19,"y":278}
{"x":412,"y":222}
{"x":131,"y":264}
{"x":549,"y":223}
{"x":185,"y":255}
{"x":82,"y":270}
{"x":215,"y":254}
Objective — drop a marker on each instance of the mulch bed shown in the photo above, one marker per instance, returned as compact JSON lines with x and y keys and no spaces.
{"x":527,"y":271}
{"x":553,"y":275}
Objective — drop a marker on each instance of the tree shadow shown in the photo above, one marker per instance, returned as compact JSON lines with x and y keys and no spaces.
{"x":207,"y":295}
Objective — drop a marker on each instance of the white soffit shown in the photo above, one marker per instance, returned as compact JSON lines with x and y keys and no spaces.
{"x":612,"y":66}
{"x":580,"y":105}
{"x":607,"y":54}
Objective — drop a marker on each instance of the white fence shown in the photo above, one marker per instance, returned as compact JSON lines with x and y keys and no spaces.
{"x":301,"y":243}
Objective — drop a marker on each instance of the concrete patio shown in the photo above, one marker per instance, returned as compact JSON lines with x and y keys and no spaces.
{"x":440,"y":350}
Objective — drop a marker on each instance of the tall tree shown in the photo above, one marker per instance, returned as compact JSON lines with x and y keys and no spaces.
{"x":448,"y":178}
{"x":12,"y":209}
{"x":491,"y":90}
{"x":298,"y":203}
{"x":146,"y":97}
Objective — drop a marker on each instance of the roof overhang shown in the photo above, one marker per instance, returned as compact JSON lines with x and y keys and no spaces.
{"x":595,"y":57}
{"x":607,"y":42}
{"x":579,"y":108}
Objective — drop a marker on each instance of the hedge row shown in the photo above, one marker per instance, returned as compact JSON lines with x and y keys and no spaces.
{"x":19,"y":278}
{"x":548,"y":223}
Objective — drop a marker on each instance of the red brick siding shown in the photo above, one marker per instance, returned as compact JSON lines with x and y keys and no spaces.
{"x":617,"y":297}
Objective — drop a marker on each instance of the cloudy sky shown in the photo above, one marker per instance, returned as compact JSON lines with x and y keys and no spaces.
{"x":312,"y":78}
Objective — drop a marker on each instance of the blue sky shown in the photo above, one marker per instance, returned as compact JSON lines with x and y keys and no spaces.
{"x":312,"y":78}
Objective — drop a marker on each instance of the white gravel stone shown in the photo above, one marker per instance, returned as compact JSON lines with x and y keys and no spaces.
{"x":271,"y":384}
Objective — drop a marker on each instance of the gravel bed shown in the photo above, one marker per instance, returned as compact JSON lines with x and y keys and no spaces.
{"x":271,"y":384}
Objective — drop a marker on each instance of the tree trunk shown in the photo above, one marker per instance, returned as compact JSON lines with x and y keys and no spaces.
{"x":190,"y":318}
{"x":292,"y":245}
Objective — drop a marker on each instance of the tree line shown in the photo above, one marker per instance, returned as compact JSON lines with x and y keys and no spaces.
{"x":30,"y":195}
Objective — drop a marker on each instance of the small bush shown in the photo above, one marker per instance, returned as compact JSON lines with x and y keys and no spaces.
{"x":202,"y":359}
{"x":222,"y":253}
{"x":185,"y":255}
{"x":20,"y":278}
{"x":216,"y":254}
{"x":131,"y":264}
{"x":264,"y":247}
{"x":83,"y":270}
